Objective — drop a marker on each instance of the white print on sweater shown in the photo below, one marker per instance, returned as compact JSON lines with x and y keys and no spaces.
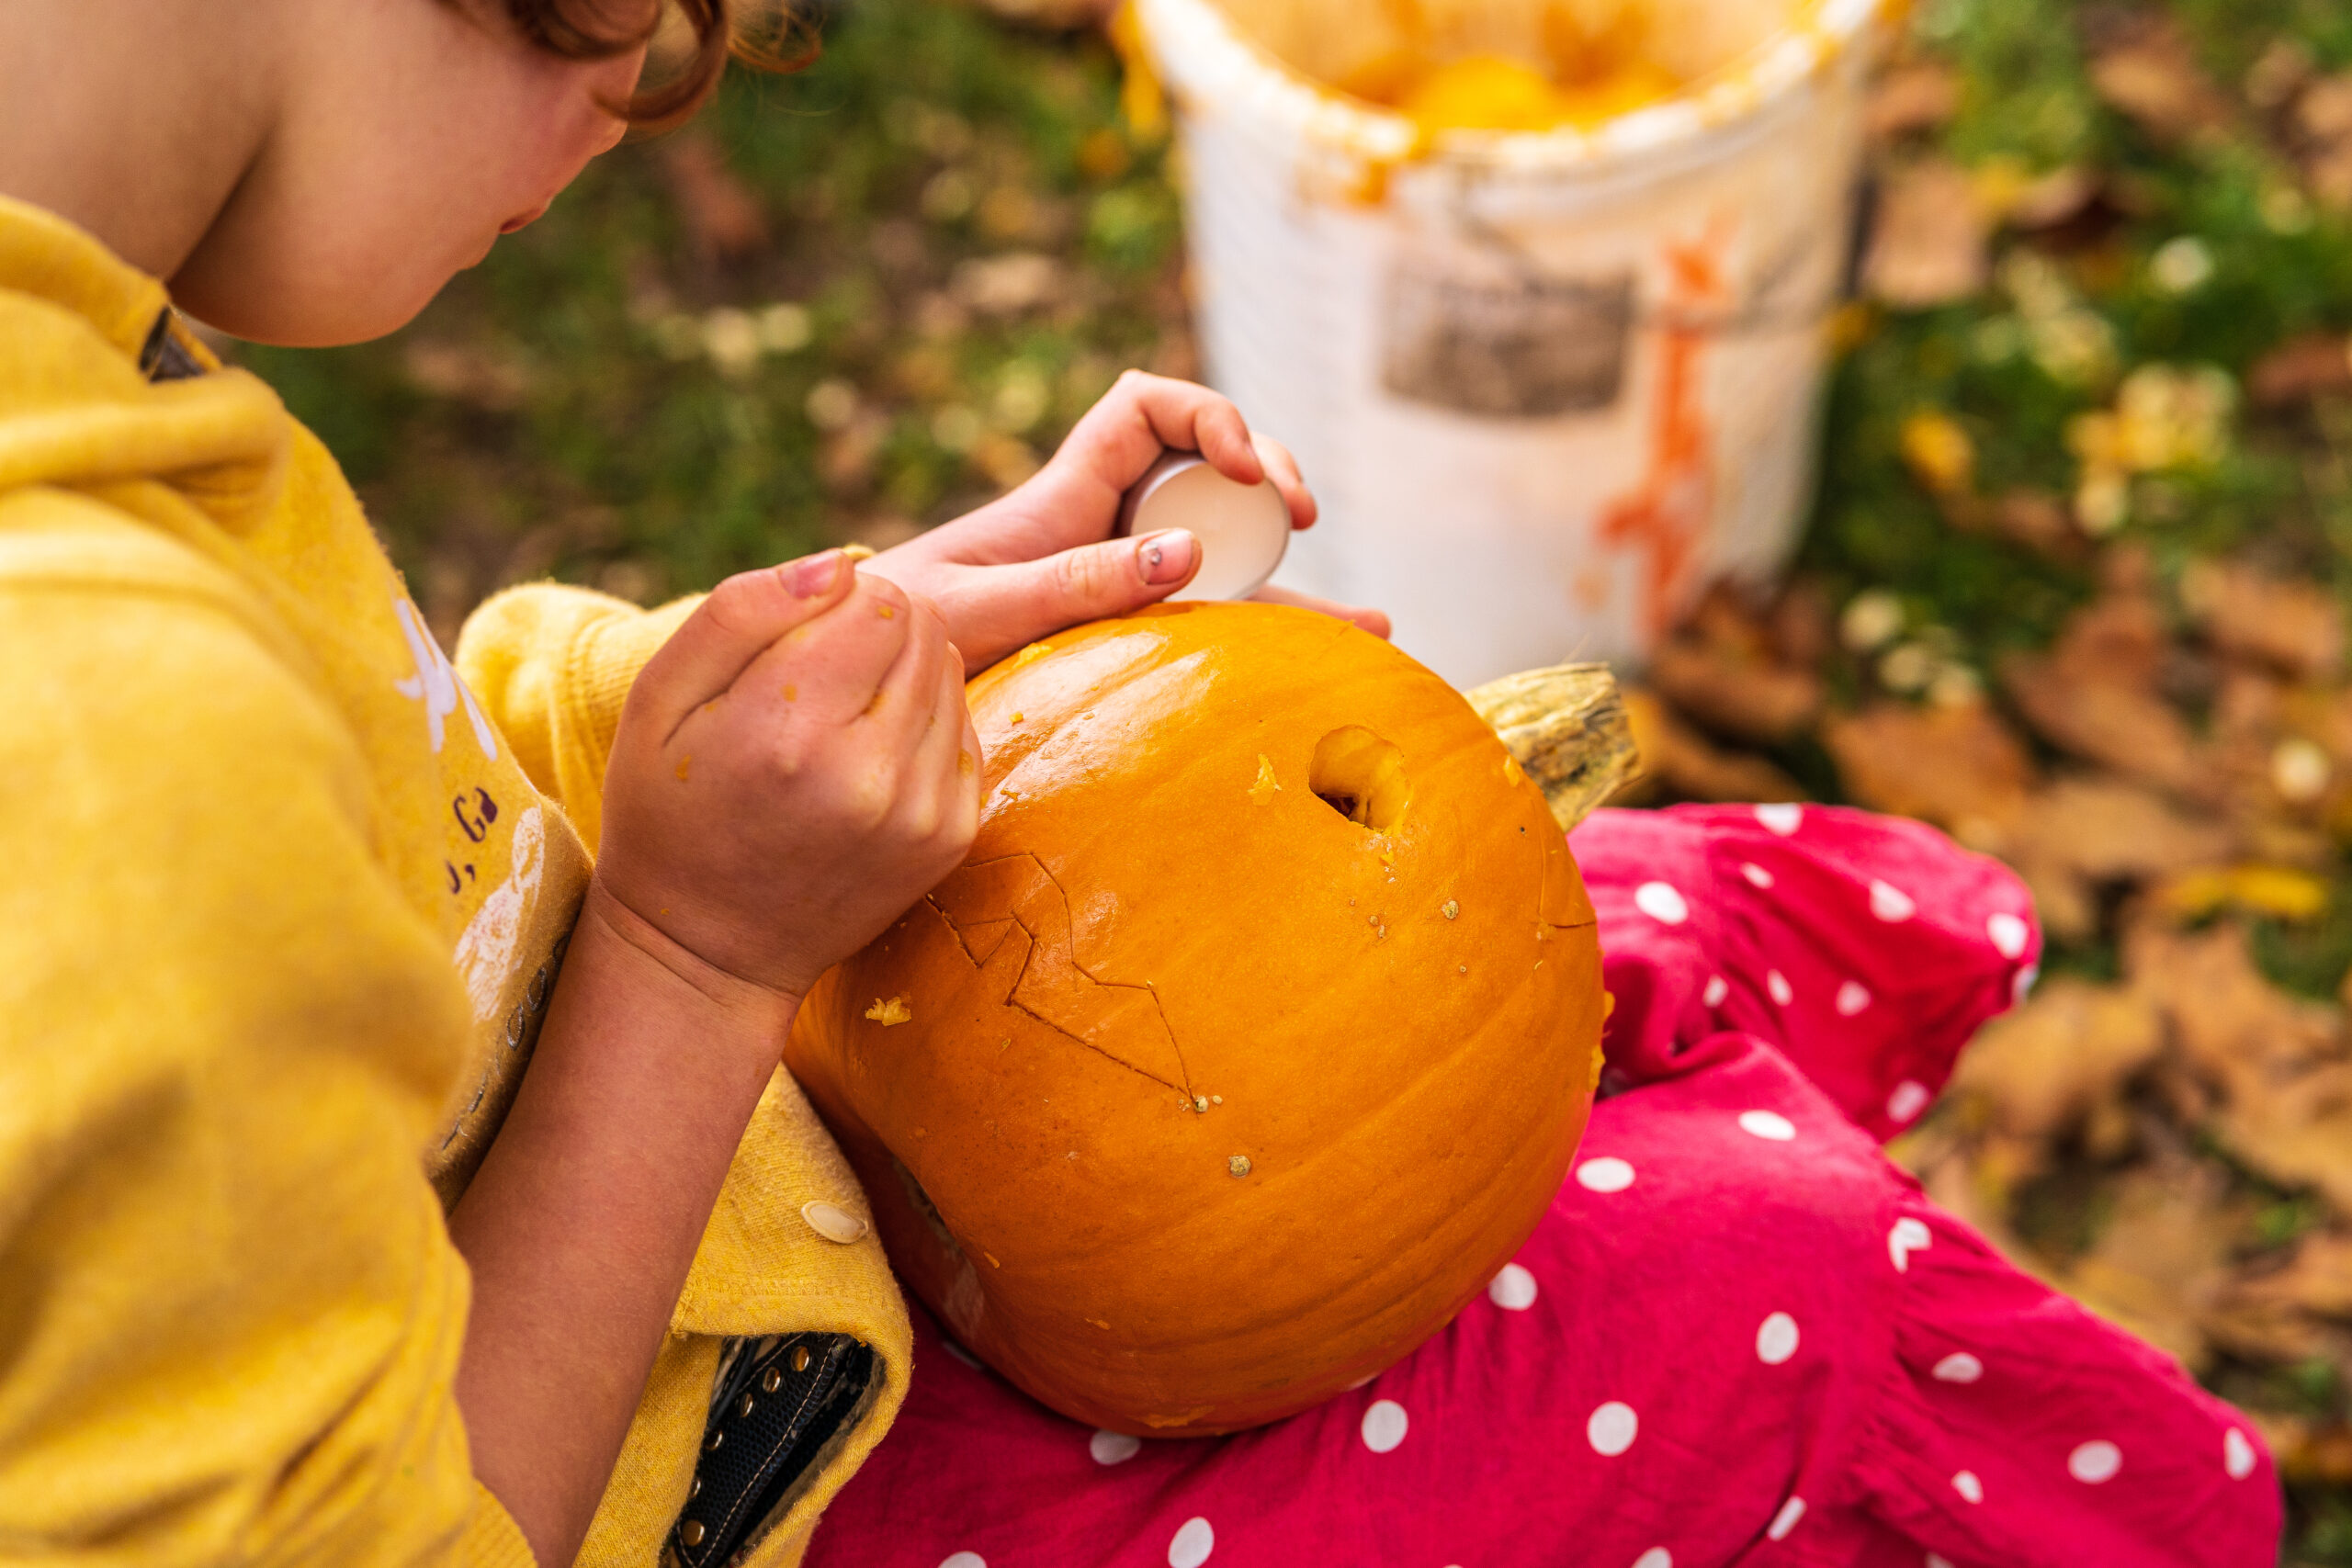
{"x":435,"y":682}
{"x":486,"y":950}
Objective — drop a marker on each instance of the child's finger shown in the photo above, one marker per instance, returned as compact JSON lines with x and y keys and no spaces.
{"x":825,"y":672}
{"x":901,"y":711}
{"x":743,"y":617}
{"x":945,"y":796}
{"x":1190,"y":418}
{"x":1282,"y":470}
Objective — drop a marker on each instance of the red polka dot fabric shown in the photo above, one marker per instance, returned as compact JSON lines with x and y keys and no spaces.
{"x":1740,"y":1335}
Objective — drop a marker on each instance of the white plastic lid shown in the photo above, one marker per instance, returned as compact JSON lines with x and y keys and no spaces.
{"x":1243,"y":529}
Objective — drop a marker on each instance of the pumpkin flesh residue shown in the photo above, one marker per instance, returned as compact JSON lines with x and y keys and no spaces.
{"x":1262,"y":792}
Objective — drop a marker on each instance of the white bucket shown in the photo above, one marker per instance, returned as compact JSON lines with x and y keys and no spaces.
{"x":1547,"y":386}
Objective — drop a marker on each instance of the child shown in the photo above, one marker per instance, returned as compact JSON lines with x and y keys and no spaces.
{"x":297,"y":1263}
{"x":1740,"y":1335}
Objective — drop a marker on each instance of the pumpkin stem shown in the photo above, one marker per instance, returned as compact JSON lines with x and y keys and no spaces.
{"x":1566,"y":726}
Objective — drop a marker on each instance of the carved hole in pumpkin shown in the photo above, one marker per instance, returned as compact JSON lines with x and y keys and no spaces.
{"x":1361,"y":776}
{"x":922,"y":1204}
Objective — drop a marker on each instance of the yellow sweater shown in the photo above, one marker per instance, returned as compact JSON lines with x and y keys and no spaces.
{"x":283,"y":897}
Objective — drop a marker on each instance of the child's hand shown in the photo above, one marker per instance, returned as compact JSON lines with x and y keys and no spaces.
{"x":1041,"y":558}
{"x":793,"y":769}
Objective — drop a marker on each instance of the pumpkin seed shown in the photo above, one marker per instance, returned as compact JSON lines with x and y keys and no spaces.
{"x":834,"y":1223}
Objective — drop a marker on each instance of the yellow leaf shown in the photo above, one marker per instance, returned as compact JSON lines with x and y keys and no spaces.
{"x":2278,"y":891}
{"x":1939,"y":452}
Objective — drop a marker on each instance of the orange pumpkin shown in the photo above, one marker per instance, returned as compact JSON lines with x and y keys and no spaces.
{"x":1250,"y":1040}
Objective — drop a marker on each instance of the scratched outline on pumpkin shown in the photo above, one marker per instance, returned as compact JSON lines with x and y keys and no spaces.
{"x":1012,"y":993}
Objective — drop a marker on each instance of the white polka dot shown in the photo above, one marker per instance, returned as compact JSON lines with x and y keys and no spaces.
{"x":1757,"y":877}
{"x":2237,"y":1454}
{"x":965,"y":1560}
{"x":1785,"y":1521}
{"x":1778,"y":984}
{"x":1890,"y":903}
{"x":1514,"y":1290}
{"x":1113,"y":1448}
{"x":1775,"y":1339}
{"x":1852,"y":998}
{"x":1935,"y":1562}
{"x":1661,"y":903}
{"x":2023,"y":987}
{"x":1783,"y":817}
{"x":1958,"y":1367}
{"x":1607,"y":1174}
{"x":1908,"y":1099}
{"x":2007,"y":933}
{"x":1769,"y":1125}
{"x":2095,"y":1461}
{"x":1194,"y":1540}
{"x":1909,"y":1235}
{"x":1718,"y":990}
{"x":1384,"y":1425}
{"x":1968,"y":1486}
{"x":1655,"y":1557}
{"x":1610,"y":1429}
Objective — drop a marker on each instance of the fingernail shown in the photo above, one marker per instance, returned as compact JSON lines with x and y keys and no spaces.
{"x":1166,"y":557}
{"x":809,"y":578}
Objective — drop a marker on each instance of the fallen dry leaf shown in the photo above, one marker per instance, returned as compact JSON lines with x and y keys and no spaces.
{"x":1677,"y":757}
{"x":2277,"y":1064}
{"x":2315,"y":365}
{"x":2296,"y":627}
{"x":1953,"y":765}
{"x":1008,"y":285}
{"x":1927,"y":244}
{"x":2041,"y":523}
{"x":2096,"y":693}
{"x":2081,"y":833}
{"x":1911,"y":99}
{"x":468,"y":373}
{"x":1735,"y":693}
{"x":2317,"y":1280}
{"x":2289,"y":1313}
{"x":2144,"y":66}
{"x":2039,"y":1071}
{"x":2323,"y":127}
{"x":2059,"y":197}
{"x":723,"y":218}
{"x":847,"y":458}
{"x":2162,"y":1261}
{"x":2308,"y":1450}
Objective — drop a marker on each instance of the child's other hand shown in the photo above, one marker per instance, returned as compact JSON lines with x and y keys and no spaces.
{"x":793,"y":769}
{"x":1041,"y":558}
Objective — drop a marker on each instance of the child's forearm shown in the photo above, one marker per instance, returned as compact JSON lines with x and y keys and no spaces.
{"x":585,"y":1216}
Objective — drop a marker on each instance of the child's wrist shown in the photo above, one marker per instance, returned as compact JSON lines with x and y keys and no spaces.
{"x":629,"y":940}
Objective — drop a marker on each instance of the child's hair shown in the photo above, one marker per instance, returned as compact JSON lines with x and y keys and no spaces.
{"x":765,"y":33}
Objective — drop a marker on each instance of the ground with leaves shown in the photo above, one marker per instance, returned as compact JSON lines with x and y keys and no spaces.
{"x":2074,"y":589}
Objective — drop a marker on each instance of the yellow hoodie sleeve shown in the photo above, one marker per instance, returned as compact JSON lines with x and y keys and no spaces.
{"x":233,"y":1314}
{"x":553,"y":666}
